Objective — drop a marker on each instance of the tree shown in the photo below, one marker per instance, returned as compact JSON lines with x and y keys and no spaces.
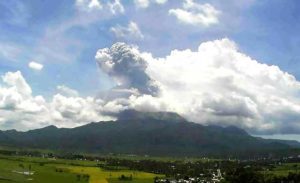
{"x":155,"y":179}
{"x":78,"y":177}
{"x":244,"y":175}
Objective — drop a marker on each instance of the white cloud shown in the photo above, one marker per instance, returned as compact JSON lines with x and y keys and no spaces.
{"x":74,"y":111}
{"x":142,"y":3}
{"x":131,"y":31}
{"x":35,"y":66}
{"x":161,"y":1}
{"x":17,"y":82}
{"x":217,"y":84}
{"x":146,"y":3}
{"x":66,"y":91}
{"x":21,"y":110}
{"x":88,"y":5}
{"x":17,"y":103}
{"x":116,"y":7}
{"x":196,"y":14}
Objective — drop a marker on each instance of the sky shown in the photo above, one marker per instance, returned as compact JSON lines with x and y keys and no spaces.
{"x":71,"y":62}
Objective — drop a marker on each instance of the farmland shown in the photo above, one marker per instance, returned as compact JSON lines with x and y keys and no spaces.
{"x":49,"y":170}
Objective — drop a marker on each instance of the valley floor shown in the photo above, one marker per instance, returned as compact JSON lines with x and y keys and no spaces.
{"x":41,"y":170}
{"x":78,"y":169}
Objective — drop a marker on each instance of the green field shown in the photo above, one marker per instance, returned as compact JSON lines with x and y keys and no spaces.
{"x":101,"y":176}
{"x":285,"y":169}
{"x":42,"y":170}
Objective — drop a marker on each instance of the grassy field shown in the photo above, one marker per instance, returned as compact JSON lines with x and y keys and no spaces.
{"x":41,"y":170}
{"x":101,"y":176}
{"x":285,"y":169}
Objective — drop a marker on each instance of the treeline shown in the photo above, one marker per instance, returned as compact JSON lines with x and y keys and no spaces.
{"x":177,"y":169}
{"x":251,"y":175}
{"x":233,"y":171}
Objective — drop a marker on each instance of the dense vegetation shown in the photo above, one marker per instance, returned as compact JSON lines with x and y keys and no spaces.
{"x":49,"y":170}
{"x":125,"y":150}
{"x":158,"y":134}
{"x":119,"y":169}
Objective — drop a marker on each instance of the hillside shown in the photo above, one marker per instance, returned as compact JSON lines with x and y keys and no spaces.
{"x":160,"y":134}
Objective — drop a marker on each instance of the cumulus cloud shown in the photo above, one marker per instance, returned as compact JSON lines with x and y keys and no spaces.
{"x":16,"y":98}
{"x":114,"y":6}
{"x":35,"y":66}
{"x":196,"y":14}
{"x":131,"y":31}
{"x":217,"y":84}
{"x":19,"y":109}
{"x":74,"y":111}
{"x":17,"y":82}
{"x":146,"y":3}
{"x":89,"y":5}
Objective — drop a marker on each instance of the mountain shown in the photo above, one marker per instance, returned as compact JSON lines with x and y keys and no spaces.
{"x":162,"y":116}
{"x":159,"y":134}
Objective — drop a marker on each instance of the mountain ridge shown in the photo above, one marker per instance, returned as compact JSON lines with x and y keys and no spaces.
{"x":158,"y":134}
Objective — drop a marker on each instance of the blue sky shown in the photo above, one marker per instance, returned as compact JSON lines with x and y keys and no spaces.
{"x":266,"y":31}
{"x":63,"y":37}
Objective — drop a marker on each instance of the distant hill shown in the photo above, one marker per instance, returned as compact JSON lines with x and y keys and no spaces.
{"x":158,"y":134}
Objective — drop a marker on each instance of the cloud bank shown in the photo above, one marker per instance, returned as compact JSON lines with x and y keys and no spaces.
{"x":213,"y":85}
{"x":19,"y":109}
{"x":217,"y":84}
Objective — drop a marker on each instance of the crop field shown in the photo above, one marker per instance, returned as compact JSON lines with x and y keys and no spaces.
{"x":100,"y":176}
{"x":285,"y":169}
{"x":42,"y":170}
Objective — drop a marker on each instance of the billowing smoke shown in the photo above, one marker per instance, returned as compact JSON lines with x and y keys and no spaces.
{"x":216,"y":84}
{"x":125,"y":65}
